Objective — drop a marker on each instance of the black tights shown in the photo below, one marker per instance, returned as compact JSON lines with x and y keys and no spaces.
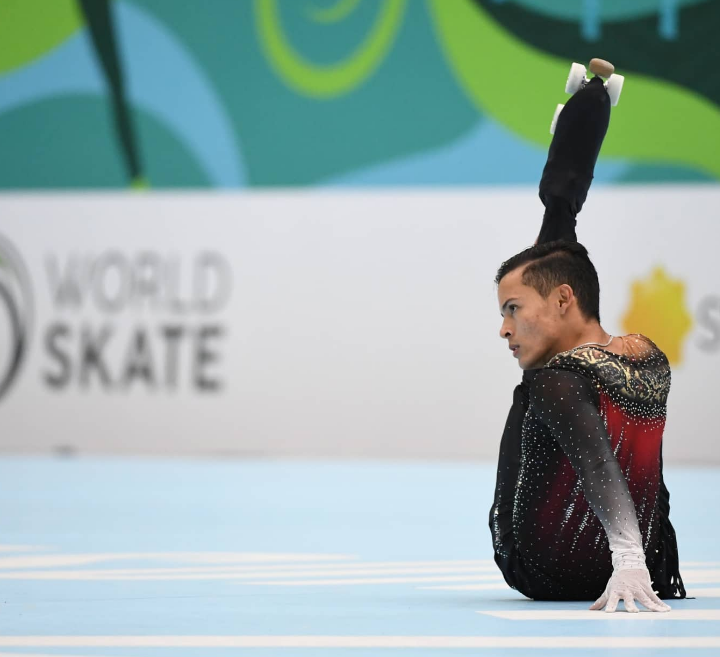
{"x":570,"y":165}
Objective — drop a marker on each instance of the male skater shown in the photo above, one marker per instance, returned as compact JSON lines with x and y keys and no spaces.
{"x":580,"y":510}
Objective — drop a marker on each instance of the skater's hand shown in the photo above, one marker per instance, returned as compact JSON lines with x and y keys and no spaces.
{"x":630,"y":585}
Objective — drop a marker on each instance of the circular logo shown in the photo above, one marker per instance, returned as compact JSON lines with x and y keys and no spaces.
{"x":15,"y":314}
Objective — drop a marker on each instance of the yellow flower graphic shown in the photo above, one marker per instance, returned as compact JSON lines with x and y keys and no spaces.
{"x":658,"y":310}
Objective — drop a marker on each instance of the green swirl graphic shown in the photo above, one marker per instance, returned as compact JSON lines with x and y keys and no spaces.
{"x":336,"y":79}
{"x":30,"y":28}
{"x":339,"y":11}
{"x":656,"y":121}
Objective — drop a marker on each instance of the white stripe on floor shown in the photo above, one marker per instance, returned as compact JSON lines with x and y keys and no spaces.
{"x":586,"y":615}
{"x":709,"y":592}
{"x":59,"y":560}
{"x":230,"y":573}
{"x":702,"y":576}
{"x":606,"y":642}
{"x":23,"y":548}
{"x":699,"y":564}
{"x":467,"y":587}
{"x":372,"y":580}
{"x":226,"y":567}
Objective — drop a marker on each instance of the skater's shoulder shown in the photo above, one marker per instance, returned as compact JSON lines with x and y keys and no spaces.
{"x":635,"y":368}
{"x":631,"y":348}
{"x":579,"y":359}
{"x":637,"y":344}
{"x":640,"y":350}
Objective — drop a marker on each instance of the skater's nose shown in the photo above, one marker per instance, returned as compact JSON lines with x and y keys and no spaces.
{"x":505,"y":331}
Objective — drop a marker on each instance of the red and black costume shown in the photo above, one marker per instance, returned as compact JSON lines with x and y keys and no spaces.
{"x":581,"y":455}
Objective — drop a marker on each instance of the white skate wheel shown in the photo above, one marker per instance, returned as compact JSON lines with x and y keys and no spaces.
{"x":614,"y":87}
{"x":558,"y":109}
{"x":576,"y":80}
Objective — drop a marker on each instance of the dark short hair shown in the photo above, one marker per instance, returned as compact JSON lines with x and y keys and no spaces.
{"x":554,"y":263}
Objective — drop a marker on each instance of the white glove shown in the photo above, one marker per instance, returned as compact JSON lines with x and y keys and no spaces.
{"x":630,"y":585}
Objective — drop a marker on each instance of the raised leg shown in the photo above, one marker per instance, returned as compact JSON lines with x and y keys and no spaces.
{"x":570,"y":165}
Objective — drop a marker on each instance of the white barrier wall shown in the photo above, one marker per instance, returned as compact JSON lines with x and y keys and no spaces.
{"x":332,"y":325}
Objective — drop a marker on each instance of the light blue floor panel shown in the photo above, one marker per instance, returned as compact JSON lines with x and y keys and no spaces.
{"x":104,"y":557}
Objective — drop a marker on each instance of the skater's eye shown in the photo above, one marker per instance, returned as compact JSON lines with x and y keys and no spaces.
{"x":512,"y":307}
{"x":509,"y":306}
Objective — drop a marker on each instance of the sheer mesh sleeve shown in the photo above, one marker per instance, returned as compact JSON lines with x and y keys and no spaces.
{"x":565,"y":402}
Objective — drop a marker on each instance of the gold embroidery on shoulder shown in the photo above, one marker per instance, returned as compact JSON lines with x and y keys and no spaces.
{"x":647,"y":384}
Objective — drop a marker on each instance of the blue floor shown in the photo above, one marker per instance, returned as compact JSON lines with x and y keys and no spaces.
{"x":158,"y":557}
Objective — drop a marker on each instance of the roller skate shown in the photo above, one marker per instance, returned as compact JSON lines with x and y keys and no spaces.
{"x":578,"y":80}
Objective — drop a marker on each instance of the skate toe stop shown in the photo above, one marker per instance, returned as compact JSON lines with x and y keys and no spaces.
{"x":601,"y":67}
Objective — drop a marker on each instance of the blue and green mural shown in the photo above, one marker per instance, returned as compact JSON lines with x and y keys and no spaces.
{"x":268,"y":93}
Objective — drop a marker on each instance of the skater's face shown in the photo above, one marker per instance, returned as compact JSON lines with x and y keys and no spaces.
{"x":532,"y":325}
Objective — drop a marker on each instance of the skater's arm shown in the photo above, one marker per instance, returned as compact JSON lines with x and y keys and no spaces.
{"x":566,"y":403}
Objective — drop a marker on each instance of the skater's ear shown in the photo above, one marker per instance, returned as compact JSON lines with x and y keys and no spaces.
{"x":565,"y":297}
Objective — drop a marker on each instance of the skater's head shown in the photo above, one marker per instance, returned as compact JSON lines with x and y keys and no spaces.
{"x":549,"y":295}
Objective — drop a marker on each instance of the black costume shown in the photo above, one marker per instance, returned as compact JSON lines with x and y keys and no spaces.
{"x":581,"y":455}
